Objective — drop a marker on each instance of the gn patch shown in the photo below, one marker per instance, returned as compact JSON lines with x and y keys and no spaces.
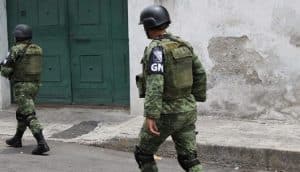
{"x":156,"y":65}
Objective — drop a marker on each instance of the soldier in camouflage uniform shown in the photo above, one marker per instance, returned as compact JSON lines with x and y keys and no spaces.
{"x":23,"y":67}
{"x":173,"y":79}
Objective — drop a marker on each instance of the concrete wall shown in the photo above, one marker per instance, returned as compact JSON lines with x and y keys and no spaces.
{"x":250,"y":49}
{"x":4,"y":84}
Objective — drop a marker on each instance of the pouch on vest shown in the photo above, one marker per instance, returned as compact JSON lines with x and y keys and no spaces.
{"x":179,"y":80}
{"x":140,"y":83}
{"x":182,"y":73}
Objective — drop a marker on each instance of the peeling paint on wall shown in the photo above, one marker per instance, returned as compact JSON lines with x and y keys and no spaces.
{"x":232,"y":56}
{"x":295,"y":40}
{"x":243,"y":84}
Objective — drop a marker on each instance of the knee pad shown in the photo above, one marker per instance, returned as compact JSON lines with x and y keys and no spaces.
{"x":188,"y":161}
{"x":142,"y":158}
{"x":29,"y":118}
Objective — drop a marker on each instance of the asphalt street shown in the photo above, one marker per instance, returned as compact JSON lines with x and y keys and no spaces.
{"x":70,"y":157}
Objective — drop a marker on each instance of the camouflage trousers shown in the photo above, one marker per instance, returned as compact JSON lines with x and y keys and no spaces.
{"x":181,"y":127}
{"x":25,"y":93}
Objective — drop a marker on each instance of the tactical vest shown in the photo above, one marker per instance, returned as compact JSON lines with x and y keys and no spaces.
{"x":178,"y":74}
{"x":28,"y":66}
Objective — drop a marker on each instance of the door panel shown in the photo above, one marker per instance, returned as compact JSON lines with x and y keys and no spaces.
{"x":119,"y":19}
{"x":121,"y":73}
{"x":90,"y":52}
{"x":48,"y":12}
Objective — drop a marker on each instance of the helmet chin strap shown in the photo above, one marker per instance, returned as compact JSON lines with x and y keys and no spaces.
{"x":147,"y":32}
{"x":155,"y":36}
{"x":148,"y":35}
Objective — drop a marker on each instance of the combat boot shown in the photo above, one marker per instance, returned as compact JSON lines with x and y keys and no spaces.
{"x":42,"y":146}
{"x":16,"y":140}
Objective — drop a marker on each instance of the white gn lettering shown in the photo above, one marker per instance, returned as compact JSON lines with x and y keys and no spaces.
{"x":157,"y":67}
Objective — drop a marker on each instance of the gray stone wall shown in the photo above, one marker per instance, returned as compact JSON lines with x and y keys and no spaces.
{"x":4,"y":84}
{"x":250,"y":49}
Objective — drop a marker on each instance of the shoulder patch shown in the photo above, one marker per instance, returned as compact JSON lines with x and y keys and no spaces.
{"x":156,"y":62}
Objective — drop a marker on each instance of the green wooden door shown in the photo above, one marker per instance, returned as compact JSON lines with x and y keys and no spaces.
{"x":49,"y":23}
{"x":90,"y":51}
{"x":99,"y":51}
{"x":85,"y":45}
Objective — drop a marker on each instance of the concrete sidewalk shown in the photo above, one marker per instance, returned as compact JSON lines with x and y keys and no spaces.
{"x":270,"y":145}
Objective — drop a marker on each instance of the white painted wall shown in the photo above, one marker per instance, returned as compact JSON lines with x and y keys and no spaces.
{"x":272,"y":29}
{"x":4,"y":84}
{"x":137,"y":43}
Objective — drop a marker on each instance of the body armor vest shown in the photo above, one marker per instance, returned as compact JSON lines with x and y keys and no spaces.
{"x":178,"y":61}
{"x":28,"y":66}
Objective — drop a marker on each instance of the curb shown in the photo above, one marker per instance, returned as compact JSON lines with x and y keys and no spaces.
{"x":242,"y":157}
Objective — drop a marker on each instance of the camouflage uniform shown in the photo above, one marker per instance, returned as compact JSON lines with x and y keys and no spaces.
{"x":25,"y":88}
{"x":174,"y":117}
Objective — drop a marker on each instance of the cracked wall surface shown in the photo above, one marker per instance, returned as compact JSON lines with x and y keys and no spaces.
{"x":245,"y":84}
{"x":250,"y":49}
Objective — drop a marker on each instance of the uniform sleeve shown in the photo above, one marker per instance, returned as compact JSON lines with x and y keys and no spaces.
{"x":153,"y":99}
{"x":199,"y":80}
{"x":154,"y":84}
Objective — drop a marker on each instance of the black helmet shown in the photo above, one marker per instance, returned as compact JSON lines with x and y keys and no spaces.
{"x":155,"y":16}
{"x":22,"y":32}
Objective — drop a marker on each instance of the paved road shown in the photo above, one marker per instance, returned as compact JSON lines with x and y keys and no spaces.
{"x":68,"y":157}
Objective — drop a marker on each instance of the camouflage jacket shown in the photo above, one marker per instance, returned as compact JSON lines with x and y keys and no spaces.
{"x":155,"y":104}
